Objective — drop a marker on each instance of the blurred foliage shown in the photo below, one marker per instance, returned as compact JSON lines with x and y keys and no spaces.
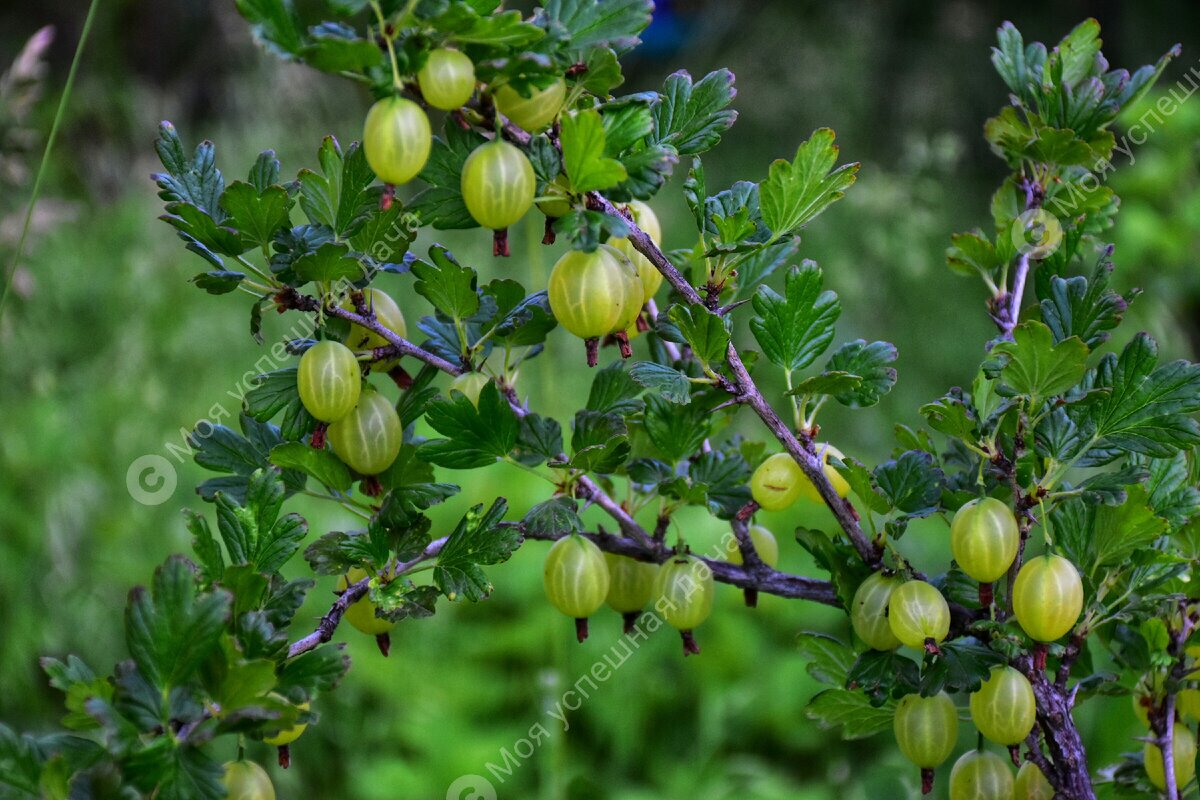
{"x":106,"y":353}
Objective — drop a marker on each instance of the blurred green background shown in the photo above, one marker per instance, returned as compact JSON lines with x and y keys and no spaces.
{"x":106,"y":353}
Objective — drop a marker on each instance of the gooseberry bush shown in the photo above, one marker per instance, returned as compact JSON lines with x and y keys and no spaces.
{"x":1065,"y":471}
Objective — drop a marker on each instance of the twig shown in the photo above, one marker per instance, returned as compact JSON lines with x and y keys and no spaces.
{"x":745,"y":389}
{"x":770,"y":581}
{"x":588,"y":489}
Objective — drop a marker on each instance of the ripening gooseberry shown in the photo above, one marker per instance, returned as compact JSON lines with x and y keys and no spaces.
{"x":926,"y":728}
{"x":594,"y":294}
{"x":1187,"y":703}
{"x":288,"y":735}
{"x":1004,"y":709}
{"x":917,"y":612}
{"x":246,"y":780}
{"x":387,"y":314}
{"x":840,"y":486}
{"x":684,"y":593}
{"x":645,"y":218}
{"x":397,"y":139}
{"x":630,"y":586}
{"x":1047,"y":597}
{"x":470,"y":384}
{"x":1031,"y":784}
{"x":764,"y":542}
{"x":576,"y":579}
{"x":535,"y":112}
{"x":984,"y":538}
{"x":1183,"y":748}
{"x":329,"y":381}
{"x":775,"y":485}
{"x":361,"y":613}
{"x":368,"y":439}
{"x":869,"y":611}
{"x":498,"y":184}
{"x":980,"y":775}
{"x":447,"y":80}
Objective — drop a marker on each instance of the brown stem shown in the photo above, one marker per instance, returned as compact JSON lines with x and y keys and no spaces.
{"x":500,"y":243}
{"x":548,"y":235}
{"x":1069,"y":773}
{"x":690,"y":647}
{"x":581,"y":629}
{"x":317,"y":441}
{"x":623,"y":342}
{"x":926,"y":780}
{"x":592,"y":346}
{"x":285,"y":756}
{"x":629,"y":619}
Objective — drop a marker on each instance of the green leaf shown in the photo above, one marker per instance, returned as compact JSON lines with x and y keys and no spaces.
{"x":972,"y":252}
{"x":1148,"y":409}
{"x":331,"y":262}
{"x":476,"y":437}
{"x":614,"y":391}
{"x":862,"y":483}
{"x":1086,"y":309}
{"x":320,"y":464}
{"x":913,"y":483}
{"x":401,"y":599}
{"x":851,"y":711}
{"x":603,"y":72}
{"x":222,"y":449}
{"x":720,"y":481}
{"x":449,"y":286}
{"x":557,"y":516}
{"x":670,"y":383}
{"x":196,"y":180}
{"x":707,"y":334}
{"x":691,"y":117}
{"x":754,"y":268}
{"x":318,"y":670}
{"x":1096,"y":536}
{"x":795,"y":328}
{"x":795,"y":193}
{"x":583,"y":149}
{"x":479,"y":539}
{"x":626,"y":123}
{"x":882,"y":675}
{"x":337,"y":48}
{"x":829,"y":383}
{"x":951,"y":415}
{"x":1172,"y":495}
{"x":219,"y":281}
{"x":275,"y":392}
{"x":441,"y":205}
{"x":586,"y":230}
{"x":341,"y":197}
{"x":257,"y":214}
{"x":274,"y":23}
{"x":829,"y":660}
{"x":1037,"y":366}
{"x":539,"y":440}
{"x":870,"y":362}
{"x":960,"y":667}
{"x":483,"y":26}
{"x":585,"y":24}
{"x":599,"y":443}
{"x":171,"y":629}
{"x":676,"y":431}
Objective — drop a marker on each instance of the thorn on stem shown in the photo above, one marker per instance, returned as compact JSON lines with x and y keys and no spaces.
{"x":285,"y":756}
{"x":690,"y":648}
{"x":630,"y":618}
{"x":592,"y":345}
{"x":500,"y":243}
{"x":384,"y":642}
{"x":581,"y":629}
{"x":549,"y":236}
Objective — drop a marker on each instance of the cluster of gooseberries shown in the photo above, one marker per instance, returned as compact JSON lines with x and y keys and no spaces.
{"x":889,"y":611}
{"x":1183,"y":739}
{"x":778,"y":482}
{"x":593,"y":294}
{"x":580,"y":578}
